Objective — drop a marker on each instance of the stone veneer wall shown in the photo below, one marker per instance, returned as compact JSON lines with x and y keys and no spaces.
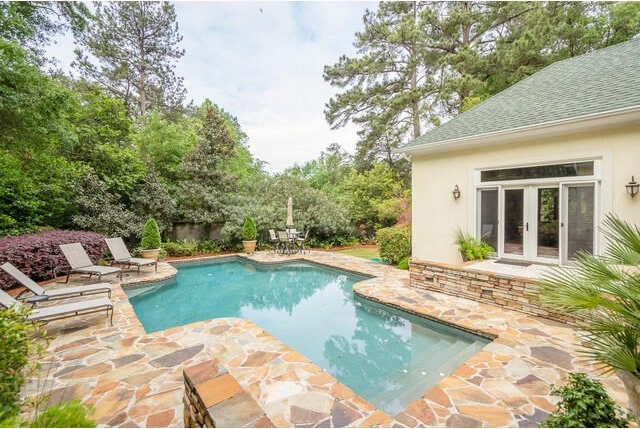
{"x":213,"y":398}
{"x":511,"y":292}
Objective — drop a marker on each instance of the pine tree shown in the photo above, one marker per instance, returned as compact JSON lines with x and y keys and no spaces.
{"x":136,"y":44}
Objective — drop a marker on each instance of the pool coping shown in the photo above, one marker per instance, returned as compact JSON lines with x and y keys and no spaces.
{"x":459,"y":398}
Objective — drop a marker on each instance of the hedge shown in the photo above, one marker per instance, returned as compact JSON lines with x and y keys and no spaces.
{"x":37,"y":254}
{"x":394,"y":243}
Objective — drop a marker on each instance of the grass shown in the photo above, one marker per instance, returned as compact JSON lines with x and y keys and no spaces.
{"x":362,"y":252}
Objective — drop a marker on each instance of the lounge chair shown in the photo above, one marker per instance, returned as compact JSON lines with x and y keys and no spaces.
{"x":81,"y":263}
{"x":62,"y":311}
{"x":39,"y":294}
{"x":122,"y":256}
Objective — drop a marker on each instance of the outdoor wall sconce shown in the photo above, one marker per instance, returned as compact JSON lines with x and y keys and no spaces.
{"x":632,"y":187}
{"x":456,"y":192}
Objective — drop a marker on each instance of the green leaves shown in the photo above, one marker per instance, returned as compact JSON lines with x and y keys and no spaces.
{"x":584,"y":404}
{"x":604,"y":295}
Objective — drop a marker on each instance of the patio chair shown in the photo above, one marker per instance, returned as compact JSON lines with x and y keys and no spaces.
{"x":81,"y":263}
{"x":61,"y":311}
{"x":284,"y":242}
{"x":40,"y":294}
{"x":273,"y":239}
{"x":121,"y":255}
{"x":301,"y":240}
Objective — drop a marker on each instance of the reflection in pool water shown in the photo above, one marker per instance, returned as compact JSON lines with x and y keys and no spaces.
{"x":387,"y":356}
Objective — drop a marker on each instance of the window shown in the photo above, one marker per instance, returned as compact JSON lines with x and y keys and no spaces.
{"x":572,"y":169}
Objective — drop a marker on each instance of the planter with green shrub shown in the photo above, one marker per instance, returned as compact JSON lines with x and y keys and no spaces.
{"x":249,"y":234}
{"x":150,"y":243}
{"x":472,"y":249}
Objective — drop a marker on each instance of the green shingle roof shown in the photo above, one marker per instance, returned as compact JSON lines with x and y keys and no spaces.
{"x":601,"y":81}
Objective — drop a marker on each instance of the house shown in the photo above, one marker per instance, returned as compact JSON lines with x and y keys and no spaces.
{"x":536,"y":167}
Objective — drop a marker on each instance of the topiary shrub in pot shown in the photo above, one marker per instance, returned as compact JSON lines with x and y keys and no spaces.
{"x":150,"y":243}
{"x":249,"y":233}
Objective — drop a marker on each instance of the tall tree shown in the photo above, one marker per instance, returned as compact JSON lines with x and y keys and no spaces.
{"x":389,"y":85}
{"x":419,"y":63}
{"x":136,"y":45}
{"x":206,"y":184}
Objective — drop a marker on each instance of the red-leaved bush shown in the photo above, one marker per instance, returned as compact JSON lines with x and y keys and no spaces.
{"x":37,"y":254}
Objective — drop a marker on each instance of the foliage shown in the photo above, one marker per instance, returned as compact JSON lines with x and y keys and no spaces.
{"x":604,"y":295}
{"x":374,"y":198}
{"x":153,"y":199}
{"x":180,"y":248}
{"x":17,"y":343}
{"x":150,"y":235}
{"x":163,"y":143}
{"x":473,"y":249}
{"x":394,"y":243}
{"x":71,"y":414}
{"x":204,"y":189}
{"x":135,"y":44}
{"x":419,"y":63}
{"x":584,"y":404}
{"x":38,"y":254}
{"x":34,"y":23}
{"x":403,"y":263}
{"x":101,"y":211}
{"x":34,"y":109}
{"x":249,"y":231}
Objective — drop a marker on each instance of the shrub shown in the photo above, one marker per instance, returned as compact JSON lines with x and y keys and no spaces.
{"x":584,"y":403}
{"x":208,"y":246}
{"x":150,"y":235}
{"x":394,"y":243}
{"x":38,"y":254}
{"x":181,"y":248}
{"x":17,"y":342}
{"x":403,"y":264}
{"x":473,"y":249}
{"x":249,"y":231}
{"x":71,"y":414}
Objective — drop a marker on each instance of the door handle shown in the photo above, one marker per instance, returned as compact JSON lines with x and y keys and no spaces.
{"x":527,"y":226}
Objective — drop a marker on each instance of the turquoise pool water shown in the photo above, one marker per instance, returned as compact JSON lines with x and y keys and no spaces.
{"x":387,"y":356}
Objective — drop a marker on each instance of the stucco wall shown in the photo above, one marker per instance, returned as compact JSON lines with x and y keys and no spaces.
{"x":437,"y":216}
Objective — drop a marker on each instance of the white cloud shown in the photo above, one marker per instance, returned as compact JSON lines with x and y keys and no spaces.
{"x":263,"y":63}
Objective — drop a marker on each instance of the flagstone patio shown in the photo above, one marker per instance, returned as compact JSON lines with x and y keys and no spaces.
{"x":135,"y":379}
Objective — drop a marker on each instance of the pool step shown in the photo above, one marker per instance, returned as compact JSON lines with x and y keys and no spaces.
{"x":448,"y":357}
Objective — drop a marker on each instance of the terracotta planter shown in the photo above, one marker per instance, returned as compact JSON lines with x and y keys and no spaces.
{"x":249,"y":246}
{"x":632,"y":386}
{"x":150,"y":254}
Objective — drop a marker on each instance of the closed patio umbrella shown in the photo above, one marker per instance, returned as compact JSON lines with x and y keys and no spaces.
{"x":290,"y":213}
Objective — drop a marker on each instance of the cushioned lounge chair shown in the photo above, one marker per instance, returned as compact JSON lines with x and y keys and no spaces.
{"x":81,"y":263}
{"x":122,"y":256}
{"x":61,"y":311}
{"x":40,"y":294}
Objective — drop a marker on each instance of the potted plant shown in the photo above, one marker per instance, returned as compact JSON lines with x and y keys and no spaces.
{"x":150,"y":243}
{"x":249,"y":233}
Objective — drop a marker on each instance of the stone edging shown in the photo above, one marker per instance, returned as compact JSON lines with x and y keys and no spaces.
{"x":511,"y":292}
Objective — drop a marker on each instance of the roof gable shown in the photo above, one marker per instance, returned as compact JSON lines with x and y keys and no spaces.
{"x":601,"y":81}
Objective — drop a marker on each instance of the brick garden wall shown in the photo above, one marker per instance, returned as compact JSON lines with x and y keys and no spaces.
{"x":510,"y":292}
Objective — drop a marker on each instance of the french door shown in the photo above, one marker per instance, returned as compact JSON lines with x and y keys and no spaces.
{"x":541,"y":222}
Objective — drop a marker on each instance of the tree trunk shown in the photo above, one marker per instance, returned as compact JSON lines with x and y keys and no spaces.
{"x":632,"y":386}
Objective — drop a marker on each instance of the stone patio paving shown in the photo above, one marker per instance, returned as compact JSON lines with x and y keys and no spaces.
{"x":134,"y":379}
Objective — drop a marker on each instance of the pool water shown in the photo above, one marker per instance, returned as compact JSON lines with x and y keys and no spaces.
{"x":387,"y":356}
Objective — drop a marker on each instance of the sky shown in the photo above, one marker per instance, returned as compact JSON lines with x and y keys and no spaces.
{"x":262,"y":62}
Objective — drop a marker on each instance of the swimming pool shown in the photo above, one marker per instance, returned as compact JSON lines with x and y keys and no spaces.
{"x":387,"y":356}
